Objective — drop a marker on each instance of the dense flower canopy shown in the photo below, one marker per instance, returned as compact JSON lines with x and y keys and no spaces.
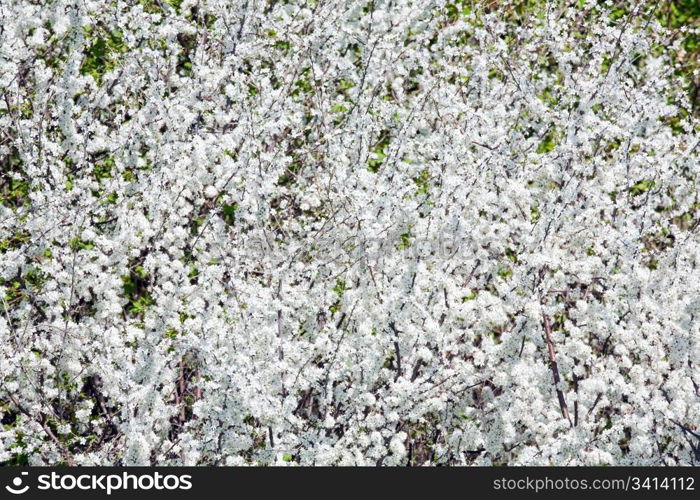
{"x":348,"y":232}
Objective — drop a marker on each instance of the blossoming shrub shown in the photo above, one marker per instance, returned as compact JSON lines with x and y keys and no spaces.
{"x":348,"y":232}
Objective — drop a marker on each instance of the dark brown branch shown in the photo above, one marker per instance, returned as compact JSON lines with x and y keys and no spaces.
{"x":555,"y":369}
{"x":398,"y":351}
{"x":42,"y":421}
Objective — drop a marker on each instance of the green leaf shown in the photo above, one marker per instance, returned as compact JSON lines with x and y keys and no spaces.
{"x":641,"y":187}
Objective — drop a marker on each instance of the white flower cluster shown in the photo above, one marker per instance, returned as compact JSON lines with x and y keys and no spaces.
{"x":340,"y":232}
